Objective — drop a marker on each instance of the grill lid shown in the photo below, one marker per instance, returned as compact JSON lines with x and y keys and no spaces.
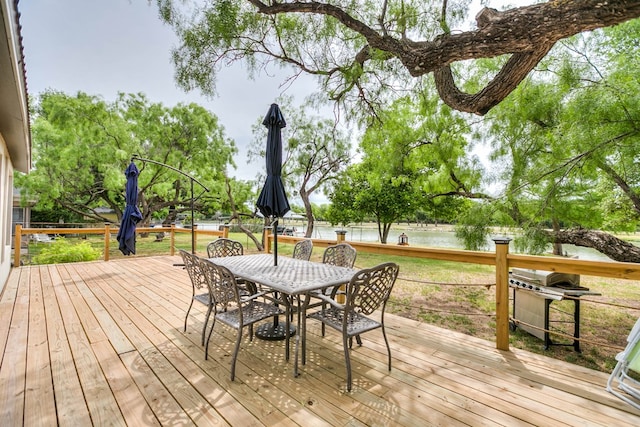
{"x":547,"y":278}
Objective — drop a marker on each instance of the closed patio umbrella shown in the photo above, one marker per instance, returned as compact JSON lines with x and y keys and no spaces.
{"x":131,"y":216}
{"x":272,"y":201}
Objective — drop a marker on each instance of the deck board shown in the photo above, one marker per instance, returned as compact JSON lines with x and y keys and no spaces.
{"x":40,"y":408}
{"x":102,"y":343}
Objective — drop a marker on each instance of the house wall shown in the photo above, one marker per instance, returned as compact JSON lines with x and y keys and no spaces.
{"x":6,"y":208}
{"x":15,"y":138}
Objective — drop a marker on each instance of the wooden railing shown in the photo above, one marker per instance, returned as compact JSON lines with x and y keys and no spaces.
{"x":107,"y":231}
{"x":501,"y":259}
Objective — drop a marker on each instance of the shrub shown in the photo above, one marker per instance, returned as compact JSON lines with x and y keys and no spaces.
{"x":60,"y":251}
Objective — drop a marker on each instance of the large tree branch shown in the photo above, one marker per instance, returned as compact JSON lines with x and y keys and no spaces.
{"x":608,"y":244}
{"x":509,"y":77}
{"x":622,"y":184}
{"x":527,"y":33}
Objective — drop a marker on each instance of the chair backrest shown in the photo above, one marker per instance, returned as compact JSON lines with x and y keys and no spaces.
{"x":342,"y":255}
{"x":192,"y":265}
{"x":223,"y":287}
{"x":303,"y":249}
{"x":224,"y":247}
{"x":370,"y":288}
{"x":631,"y":352}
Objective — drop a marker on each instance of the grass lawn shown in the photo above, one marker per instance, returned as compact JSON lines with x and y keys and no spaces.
{"x":461,"y":297}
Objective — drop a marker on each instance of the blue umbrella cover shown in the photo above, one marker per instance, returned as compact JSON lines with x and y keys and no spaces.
{"x":272,"y":201}
{"x":131,"y":216}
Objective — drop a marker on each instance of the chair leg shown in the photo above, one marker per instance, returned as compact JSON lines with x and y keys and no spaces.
{"x":206,"y":347}
{"x":187,"y":316}
{"x":347,"y":359}
{"x":386,"y":341}
{"x":235,"y":354}
{"x":206,"y":321}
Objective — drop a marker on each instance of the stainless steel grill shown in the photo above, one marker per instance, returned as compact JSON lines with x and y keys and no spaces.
{"x":533,"y":293}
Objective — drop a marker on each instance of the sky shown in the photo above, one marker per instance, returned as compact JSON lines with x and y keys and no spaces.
{"x":103,"y":47}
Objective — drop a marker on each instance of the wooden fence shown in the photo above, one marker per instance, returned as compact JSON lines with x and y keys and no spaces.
{"x":501,"y":259}
{"x":107,"y":231}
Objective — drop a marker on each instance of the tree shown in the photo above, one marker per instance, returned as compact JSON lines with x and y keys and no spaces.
{"x":414,"y":155}
{"x":316,"y":150}
{"x":364,"y":48}
{"x":569,"y":138}
{"x":82,"y":144}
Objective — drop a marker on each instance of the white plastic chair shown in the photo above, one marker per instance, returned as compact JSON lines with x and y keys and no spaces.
{"x":621,"y":384}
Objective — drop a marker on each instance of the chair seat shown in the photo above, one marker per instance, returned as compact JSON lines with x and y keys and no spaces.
{"x":357,"y":323}
{"x":203,"y":298}
{"x":251,"y":313}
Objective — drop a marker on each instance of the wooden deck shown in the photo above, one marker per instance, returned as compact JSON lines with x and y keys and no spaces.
{"x":102,"y":343}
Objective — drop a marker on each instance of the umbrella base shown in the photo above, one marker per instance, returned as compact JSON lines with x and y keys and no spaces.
{"x":273,"y":332}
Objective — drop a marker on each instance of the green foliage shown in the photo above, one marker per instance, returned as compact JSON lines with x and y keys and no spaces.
{"x":532,"y":241}
{"x":82,"y":145}
{"x":217,"y":33}
{"x":473,"y":235}
{"x":53,"y":216}
{"x":413,"y":159}
{"x":61,"y":251}
{"x":567,"y":140}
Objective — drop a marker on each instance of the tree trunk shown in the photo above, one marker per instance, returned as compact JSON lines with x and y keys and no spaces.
{"x":605,"y":243}
{"x":557,"y":246}
{"x":236,"y":215}
{"x":308,"y":210}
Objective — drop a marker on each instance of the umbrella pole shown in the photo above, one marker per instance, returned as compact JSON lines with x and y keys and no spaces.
{"x":275,"y":259}
{"x":275,"y":242}
{"x":274,"y":331}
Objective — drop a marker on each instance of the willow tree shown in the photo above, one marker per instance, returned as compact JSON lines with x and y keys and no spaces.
{"x":568,"y":142}
{"x":416,"y":155}
{"x":360,"y":49}
{"x":82,"y":145}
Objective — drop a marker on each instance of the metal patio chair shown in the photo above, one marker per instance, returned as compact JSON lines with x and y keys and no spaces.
{"x":200,"y":291}
{"x":303,"y":250}
{"x":367,"y":292}
{"x":232,"y":308}
{"x":342,"y":255}
{"x":224,"y":247}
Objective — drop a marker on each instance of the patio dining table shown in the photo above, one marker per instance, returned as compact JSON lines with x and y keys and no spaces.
{"x":291,"y":277}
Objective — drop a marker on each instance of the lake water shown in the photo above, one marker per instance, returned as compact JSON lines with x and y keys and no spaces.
{"x":429,"y":237}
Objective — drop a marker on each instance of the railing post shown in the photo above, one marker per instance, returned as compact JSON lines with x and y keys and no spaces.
{"x":172,"y":244}
{"x":225,"y":231}
{"x":340,"y":235}
{"x":267,"y":239}
{"x":107,"y":239}
{"x":17,"y":246}
{"x":502,"y":293}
